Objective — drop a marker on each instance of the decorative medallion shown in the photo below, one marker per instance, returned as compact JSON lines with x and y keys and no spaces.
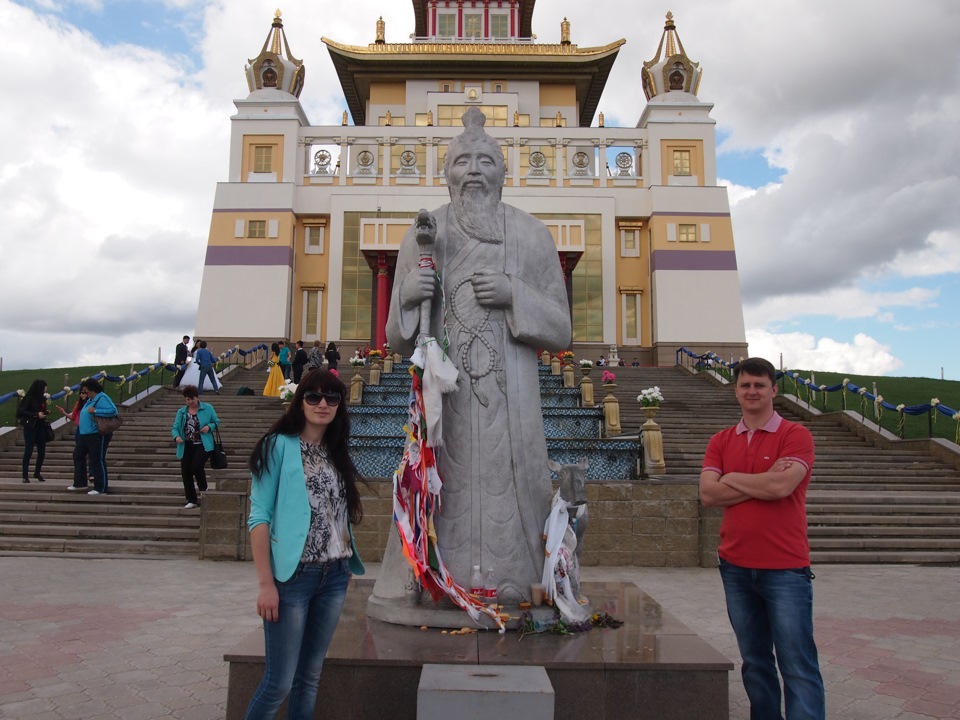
{"x":581,"y":160}
{"x":321,"y":162}
{"x":624,"y":161}
{"x":365,"y":158}
{"x":537,"y":159}
{"x":408,"y":158}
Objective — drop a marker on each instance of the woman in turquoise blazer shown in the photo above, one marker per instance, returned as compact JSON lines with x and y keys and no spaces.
{"x":193,"y":431}
{"x":303,"y":502}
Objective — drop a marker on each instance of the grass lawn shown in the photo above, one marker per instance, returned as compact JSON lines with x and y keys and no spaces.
{"x":57,"y":378}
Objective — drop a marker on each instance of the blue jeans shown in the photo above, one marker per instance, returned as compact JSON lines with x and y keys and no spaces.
{"x":296,"y":645}
{"x":96,"y":446}
{"x":773,"y":610}
{"x":207,"y":372}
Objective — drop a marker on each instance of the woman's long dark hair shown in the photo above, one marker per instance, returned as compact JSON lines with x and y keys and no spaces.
{"x":275,"y":349}
{"x":336,"y":438}
{"x":36,"y":391}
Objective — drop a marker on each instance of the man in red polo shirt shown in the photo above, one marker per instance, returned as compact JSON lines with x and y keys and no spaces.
{"x":758,"y":471}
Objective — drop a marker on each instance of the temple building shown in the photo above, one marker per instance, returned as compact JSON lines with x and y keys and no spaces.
{"x":307,"y":225}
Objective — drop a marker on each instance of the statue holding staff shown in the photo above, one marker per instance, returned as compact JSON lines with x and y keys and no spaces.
{"x":502,"y":299}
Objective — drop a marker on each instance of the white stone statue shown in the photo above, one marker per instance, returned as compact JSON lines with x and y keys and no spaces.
{"x":503,"y":300}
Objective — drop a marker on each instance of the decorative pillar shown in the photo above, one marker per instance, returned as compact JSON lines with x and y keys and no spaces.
{"x":586,"y":393}
{"x":374,"y":373}
{"x":652,"y":438}
{"x":611,"y":411}
{"x":356,"y":389}
{"x":383,"y":300}
{"x":568,"y":376}
{"x":555,"y":366}
{"x":545,"y":357}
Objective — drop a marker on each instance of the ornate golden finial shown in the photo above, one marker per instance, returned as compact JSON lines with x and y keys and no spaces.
{"x":559,"y":119}
{"x":344,"y":121}
{"x":430,"y":118}
{"x":565,"y":32}
{"x":516,"y":119}
{"x":388,"y":118}
{"x":277,"y":14}
{"x":669,"y":23}
{"x":381,"y":31}
{"x":601,"y":120}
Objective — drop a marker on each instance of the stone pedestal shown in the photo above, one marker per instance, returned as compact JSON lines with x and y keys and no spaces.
{"x":555,"y":366}
{"x":468,"y":692}
{"x":568,"y":381}
{"x":375,"y":373}
{"x":652,"y":438}
{"x":586,"y":392}
{"x":611,"y":411}
{"x":388,"y":363}
{"x":356,"y":389}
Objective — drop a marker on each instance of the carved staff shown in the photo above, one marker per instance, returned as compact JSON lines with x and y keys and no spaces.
{"x":426,"y":237}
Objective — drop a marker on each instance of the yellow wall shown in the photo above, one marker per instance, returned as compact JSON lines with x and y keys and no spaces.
{"x":721,"y":233}
{"x":251,"y":141}
{"x":563,"y":95}
{"x":388,"y":94}
{"x":223,"y":224}
{"x":696,"y":158}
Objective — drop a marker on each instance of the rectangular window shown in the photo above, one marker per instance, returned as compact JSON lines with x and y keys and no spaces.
{"x":450,"y":115}
{"x":447,"y":25}
{"x":500,"y":26}
{"x":473,"y":25}
{"x":681,"y":162}
{"x":629,"y":242}
{"x":257,"y":229}
{"x":312,"y":300}
{"x":631,"y":318}
{"x":498,"y":87}
{"x":313,"y":244}
{"x":687,"y":233}
{"x":263,"y":158}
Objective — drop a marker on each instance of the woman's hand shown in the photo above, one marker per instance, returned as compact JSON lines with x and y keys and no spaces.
{"x":205,"y":429}
{"x":179,"y":440}
{"x":268,"y":602}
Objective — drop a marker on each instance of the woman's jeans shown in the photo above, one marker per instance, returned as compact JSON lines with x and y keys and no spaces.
{"x":95,"y":447}
{"x":773,"y":610}
{"x":310,"y":605}
{"x":34,"y":436}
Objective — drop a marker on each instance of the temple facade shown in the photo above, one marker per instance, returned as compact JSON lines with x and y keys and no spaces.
{"x":307,"y":225}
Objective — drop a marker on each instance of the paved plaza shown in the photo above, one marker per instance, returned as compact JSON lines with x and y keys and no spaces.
{"x":135,"y":639}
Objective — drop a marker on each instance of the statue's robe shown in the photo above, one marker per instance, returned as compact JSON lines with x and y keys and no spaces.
{"x":493,"y":461}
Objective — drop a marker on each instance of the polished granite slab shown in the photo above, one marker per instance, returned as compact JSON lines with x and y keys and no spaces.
{"x":653,"y":666}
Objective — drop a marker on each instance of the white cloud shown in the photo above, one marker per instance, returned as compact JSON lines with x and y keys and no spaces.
{"x":109,"y":163}
{"x":800,"y":350}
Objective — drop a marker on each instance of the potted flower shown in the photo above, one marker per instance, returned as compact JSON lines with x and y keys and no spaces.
{"x":586,"y":366}
{"x":650,"y":400}
{"x":566,"y":356}
{"x":357,"y":362}
{"x":608,"y":378}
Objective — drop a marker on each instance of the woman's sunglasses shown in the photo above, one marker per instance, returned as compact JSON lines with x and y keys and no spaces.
{"x":312,"y":397}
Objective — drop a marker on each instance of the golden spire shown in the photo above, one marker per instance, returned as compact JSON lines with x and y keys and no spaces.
{"x":276,"y":46}
{"x":601,"y":120}
{"x":344,"y":121}
{"x":670,"y":29}
{"x":381,"y":31}
{"x":565,"y":32}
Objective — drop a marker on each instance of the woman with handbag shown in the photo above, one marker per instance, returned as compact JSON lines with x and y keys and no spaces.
{"x":303,"y":500}
{"x":32,"y":415}
{"x":81,"y":467}
{"x":99,"y":405}
{"x":193,"y":431}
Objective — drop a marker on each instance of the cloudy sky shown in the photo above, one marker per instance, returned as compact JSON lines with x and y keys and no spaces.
{"x":837,"y":121}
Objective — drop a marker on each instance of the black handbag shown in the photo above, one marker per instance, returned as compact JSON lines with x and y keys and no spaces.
{"x":218,"y":458}
{"x":48,"y":432}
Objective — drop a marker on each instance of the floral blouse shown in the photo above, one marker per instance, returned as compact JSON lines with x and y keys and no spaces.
{"x":329,"y":536}
{"x":192,"y":429}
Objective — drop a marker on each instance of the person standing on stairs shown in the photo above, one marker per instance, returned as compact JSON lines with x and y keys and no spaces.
{"x":758,"y":471}
{"x":32,"y":415}
{"x":193,"y":432}
{"x":98,"y":404}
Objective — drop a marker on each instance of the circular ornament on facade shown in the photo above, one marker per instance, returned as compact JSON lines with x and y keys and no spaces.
{"x":624,"y":160}
{"x":581,"y":160}
{"x":408,"y":158}
{"x":365,"y":158}
{"x":537,"y":159}
{"x":322,"y":159}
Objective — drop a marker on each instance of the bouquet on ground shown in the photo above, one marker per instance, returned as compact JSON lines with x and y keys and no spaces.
{"x":651,"y":397}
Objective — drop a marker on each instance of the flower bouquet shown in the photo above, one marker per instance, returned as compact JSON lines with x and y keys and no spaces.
{"x":651,"y":397}
{"x":357,"y":361}
{"x":584,"y":363}
{"x":566,"y":355}
{"x":287,"y":391}
{"x":375,"y":355}
{"x":607,"y":377}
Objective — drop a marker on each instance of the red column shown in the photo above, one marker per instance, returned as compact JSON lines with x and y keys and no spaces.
{"x":383,"y":300}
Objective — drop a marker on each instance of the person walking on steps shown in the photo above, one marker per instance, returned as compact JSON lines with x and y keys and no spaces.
{"x":32,"y":415}
{"x":193,"y":432}
{"x":207,"y":364}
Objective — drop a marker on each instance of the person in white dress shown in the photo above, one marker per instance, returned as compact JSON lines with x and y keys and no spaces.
{"x":191,"y":376}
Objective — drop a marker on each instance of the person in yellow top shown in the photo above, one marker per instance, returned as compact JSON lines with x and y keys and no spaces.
{"x":275,"y":379}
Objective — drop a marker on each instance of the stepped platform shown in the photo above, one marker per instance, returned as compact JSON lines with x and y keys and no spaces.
{"x":653,"y":666}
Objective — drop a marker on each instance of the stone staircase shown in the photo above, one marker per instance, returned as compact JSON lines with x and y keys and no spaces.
{"x":143,"y":513}
{"x":871,"y":500}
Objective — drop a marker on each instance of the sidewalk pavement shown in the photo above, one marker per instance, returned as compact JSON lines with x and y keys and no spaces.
{"x":98,"y":639}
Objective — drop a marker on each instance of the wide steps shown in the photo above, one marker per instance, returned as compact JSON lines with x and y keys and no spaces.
{"x":93,"y":546}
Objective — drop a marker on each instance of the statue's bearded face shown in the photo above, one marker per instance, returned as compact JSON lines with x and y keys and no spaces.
{"x":475,"y":173}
